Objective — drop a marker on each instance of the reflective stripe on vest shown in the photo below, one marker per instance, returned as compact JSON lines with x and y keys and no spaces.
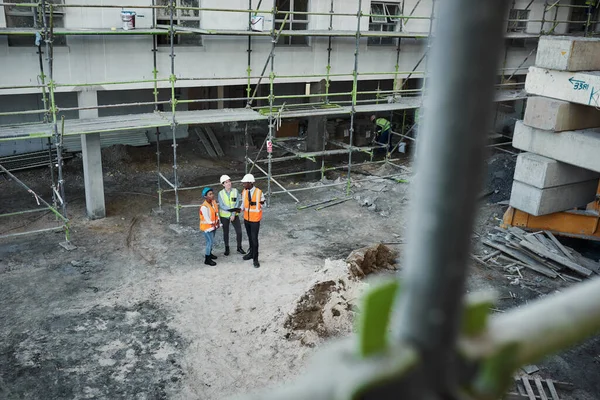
{"x":213,"y":209}
{"x":252,"y":213}
{"x":383,"y":123}
{"x":228,"y":200}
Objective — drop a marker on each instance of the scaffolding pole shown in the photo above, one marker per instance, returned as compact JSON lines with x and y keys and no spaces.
{"x":354,"y":90}
{"x":38,"y":200}
{"x":173,"y":79}
{"x":48,"y":38}
{"x":271,"y":94}
{"x":271,"y":178}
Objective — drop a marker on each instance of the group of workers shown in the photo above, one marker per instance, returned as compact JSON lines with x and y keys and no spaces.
{"x":226,"y":210}
{"x":228,"y":206}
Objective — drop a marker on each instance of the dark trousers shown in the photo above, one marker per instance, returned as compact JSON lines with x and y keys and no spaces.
{"x":383,"y":139}
{"x":238,"y":230}
{"x":252,"y":229}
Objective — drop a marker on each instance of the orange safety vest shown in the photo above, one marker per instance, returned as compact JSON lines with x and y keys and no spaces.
{"x":252,"y":212}
{"x":214,"y":216}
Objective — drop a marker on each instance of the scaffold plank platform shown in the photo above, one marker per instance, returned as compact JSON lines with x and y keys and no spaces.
{"x":164,"y":119}
{"x":164,"y":30}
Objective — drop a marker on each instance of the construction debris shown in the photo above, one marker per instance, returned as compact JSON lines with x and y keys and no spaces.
{"x":532,"y":388}
{"x":540,"y":252}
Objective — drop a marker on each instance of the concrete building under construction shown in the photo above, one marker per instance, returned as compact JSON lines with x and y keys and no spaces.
{"x":132,"y":73}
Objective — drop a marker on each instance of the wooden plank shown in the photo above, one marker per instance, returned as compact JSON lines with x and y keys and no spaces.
{"x":206,"y":144}
{"x":493,"y":254}
{"x":543,"y":261}
{"x":586,"y":262}
{"x":528,"y":261}
{"x":549,"y":244}
{"x":528,"y":388}
{"x":540,"y":388}
{"x":518,"y":232}
{"x":556,"y":257}
{"x":540,"y":260}
{"x":214,"y":141}
{"x":560,"y":246}
{"x":553,"y":392}
{"x":532,"y":238}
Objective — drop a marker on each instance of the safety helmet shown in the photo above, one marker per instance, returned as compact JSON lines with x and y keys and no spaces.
{"x":248,"y":178}
{"x":224,"y":178}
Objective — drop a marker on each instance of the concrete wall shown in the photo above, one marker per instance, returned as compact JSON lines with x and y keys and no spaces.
{"x":88,"y":59}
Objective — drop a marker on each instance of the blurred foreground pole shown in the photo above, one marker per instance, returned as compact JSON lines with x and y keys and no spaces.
{"x":457,"y":111}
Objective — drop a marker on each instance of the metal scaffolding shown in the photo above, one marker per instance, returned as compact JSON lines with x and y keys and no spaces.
{"x":329,"y":103}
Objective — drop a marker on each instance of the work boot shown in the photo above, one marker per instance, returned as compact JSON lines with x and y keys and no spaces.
{"x":240,"y":250}
{"x":226,"y":250}
{"x":212,"y":256}
{"x":256,"y":264}
{"x":248,"y":256}
{"x":208,"y":261}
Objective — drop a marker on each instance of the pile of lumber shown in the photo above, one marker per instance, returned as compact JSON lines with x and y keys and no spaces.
{"x":542,"y":253}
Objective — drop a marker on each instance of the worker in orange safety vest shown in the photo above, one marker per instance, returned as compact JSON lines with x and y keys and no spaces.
{"x":209,"y":223}
{"x":253,"y":201}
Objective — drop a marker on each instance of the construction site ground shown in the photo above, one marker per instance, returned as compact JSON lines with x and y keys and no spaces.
{"x":134,"y":313}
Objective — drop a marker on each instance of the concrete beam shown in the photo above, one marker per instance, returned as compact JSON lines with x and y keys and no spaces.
{"x":92,"y":159}
{"x":559,"y":115}
{"x":567,"y":53}
{"x":575,"y":87}
{"x":543,"y":172}
{"x":578,"y":148}
{"x":316,"y":127}
{"x":547,"y":201}
{"x":220,"y":95}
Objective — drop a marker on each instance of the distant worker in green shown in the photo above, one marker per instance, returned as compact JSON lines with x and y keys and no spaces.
{"x":230,"y":203}
{"x":382,"y":132}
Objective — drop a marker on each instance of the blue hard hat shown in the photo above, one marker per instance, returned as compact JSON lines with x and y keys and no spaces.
{"x":206,"y":190}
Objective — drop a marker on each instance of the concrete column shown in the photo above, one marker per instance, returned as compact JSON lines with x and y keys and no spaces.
{"x":315,"y":130}
{"x":92,"y":159}
{"x":220,"y":95}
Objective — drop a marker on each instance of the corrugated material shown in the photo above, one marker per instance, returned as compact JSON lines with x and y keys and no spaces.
{"x":107,"y":139}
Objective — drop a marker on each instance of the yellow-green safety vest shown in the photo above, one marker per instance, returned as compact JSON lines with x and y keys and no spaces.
{"x":383,"y":123}
{"x":229,"y":200}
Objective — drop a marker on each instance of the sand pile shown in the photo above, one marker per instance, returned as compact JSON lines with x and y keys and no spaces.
{"x":329,"y":305}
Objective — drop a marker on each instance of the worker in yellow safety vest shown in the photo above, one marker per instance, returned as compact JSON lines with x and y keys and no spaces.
{"x":230,"y":204}
{"x":382,"y":132}
{"x":209,"y":223}
{"x":253,"y":201}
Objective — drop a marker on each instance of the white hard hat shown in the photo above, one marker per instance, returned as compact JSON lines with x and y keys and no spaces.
{"x":224,"y":178}
{"x":248,"y":178}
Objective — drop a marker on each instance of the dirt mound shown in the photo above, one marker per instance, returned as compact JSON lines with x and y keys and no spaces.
{"x":368,"y":260}
{"x":327,"y":308}
{"x":310,"y":310}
